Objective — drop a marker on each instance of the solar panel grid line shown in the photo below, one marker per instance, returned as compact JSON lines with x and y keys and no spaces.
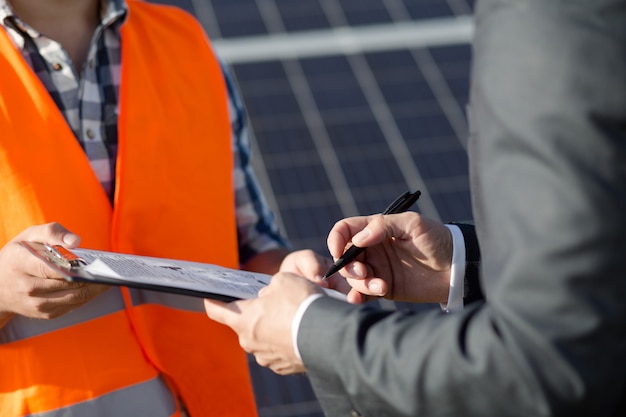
{"x":204,"y":12}
{"x":459,"y":7}
{"x":350,"y":147}
{"x":258,"y":165}
{"x":346,"y":40}
{"x":309,"y":206}
{"x":393,"y":137}
{"x":334,"y":12}
{"x":323,"y":144}
{"x":429,"y":139}
{"x":391,"y":134}
{"x":329,"y":160}
{"x":427,"y":9}
{"x":364,"y":12}
{"x":270,"y":14}
{"x":240,"y":18}
{"x":439,"y":86}
{"x":437,"y":83}
{"x":301,"y":16}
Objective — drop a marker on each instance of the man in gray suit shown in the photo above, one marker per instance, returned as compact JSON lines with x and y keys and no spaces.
{"x":548,"y":175}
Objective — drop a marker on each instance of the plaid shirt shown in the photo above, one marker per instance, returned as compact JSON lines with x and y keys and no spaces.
{"x":89,"y":103}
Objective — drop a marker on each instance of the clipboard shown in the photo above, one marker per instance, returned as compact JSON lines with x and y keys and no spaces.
{"x":150,"y":273}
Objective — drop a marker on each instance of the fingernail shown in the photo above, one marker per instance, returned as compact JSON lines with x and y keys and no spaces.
{"x":361,"y":236}
{"x":356,"y":270}
{"x":375,"y":288}
{"x":71,"y":239}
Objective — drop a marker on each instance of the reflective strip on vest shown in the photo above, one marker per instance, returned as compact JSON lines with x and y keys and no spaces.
{"x":70,"y":365}
{"x":110,"y":301}
{"x":151,"y":398}
{"x":20,"y":327}
{"x":176,"y":301}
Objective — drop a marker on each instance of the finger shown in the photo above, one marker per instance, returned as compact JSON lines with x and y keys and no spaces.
{"x":46,"y":304}
{"x":293,"y":284}
{"x":400,"y":226}
{"x":365,"y":232}
{"x":51,"y":233}
{"x":379,"y":228}
{"x":69,"y":293}
{"x":287,"y":369}
{"x":361,"y":277}
{"x":263,"y":292}
{"x":338,"y":283}
{"x":313,"y":267}
{"x":18,"y":261}
{"x":323,"y":266}
{"x":222,"y":312}
{"x":52,"y":287}
{"x":357,"y":270}
{"x":374,"y":287}
{"x":37,"y":268}
{"x":355,"y":297}
{"x":341,"y":234}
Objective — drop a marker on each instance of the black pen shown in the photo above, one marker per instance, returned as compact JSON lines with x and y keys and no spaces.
{"x":400,"y":205}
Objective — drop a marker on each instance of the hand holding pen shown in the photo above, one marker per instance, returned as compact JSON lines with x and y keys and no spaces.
{"x":399,"y":205}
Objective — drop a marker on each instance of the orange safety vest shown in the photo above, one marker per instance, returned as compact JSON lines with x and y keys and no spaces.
{"x":127,"y":350}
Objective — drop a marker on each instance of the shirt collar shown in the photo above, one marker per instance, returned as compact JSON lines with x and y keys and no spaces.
{"x":14,"y":26}
{"x":111,"y":12}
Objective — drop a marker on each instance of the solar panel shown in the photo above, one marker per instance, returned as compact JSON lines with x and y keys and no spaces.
{"x":351,"y":102}
{"x":302,"y":15}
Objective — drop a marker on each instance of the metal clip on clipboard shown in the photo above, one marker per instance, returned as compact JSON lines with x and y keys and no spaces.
{"x":63,"y":257}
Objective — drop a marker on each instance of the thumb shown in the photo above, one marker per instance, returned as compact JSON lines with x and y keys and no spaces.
{"x":220,"y":311}
{"x":51,"y":233}
{"x":63,"y":235}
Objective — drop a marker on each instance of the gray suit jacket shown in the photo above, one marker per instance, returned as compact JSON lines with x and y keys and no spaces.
{"x":548,"y":169}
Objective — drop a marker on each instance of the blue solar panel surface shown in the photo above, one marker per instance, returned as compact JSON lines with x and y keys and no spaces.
{"x":343,"y":134}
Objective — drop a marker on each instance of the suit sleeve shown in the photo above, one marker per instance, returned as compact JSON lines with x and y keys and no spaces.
{"x":548,"y":172}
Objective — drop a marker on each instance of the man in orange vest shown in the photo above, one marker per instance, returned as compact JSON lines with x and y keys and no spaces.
{"x":119,"y":125}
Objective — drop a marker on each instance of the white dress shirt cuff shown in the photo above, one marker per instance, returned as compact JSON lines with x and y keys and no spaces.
{"x":295,"y":323}
{"x":457,"y":273}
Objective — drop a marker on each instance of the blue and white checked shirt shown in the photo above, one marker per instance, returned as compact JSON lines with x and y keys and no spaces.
{"x":89,"y":103}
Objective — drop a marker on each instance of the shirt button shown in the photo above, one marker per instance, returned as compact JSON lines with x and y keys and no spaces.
{"x":57,"y":66}
{"x":90,"y":134}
